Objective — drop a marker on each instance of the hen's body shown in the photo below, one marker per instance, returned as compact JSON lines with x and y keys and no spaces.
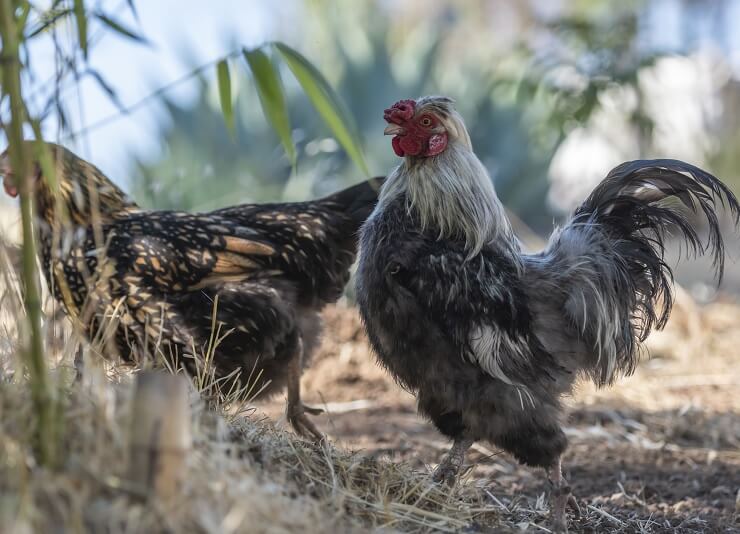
{"x":248,"y":280}
{"x":490,"y":339}
{"x":265,"y":271}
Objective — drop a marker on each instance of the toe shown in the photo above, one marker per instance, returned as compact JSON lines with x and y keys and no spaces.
{"x":559,"y":525}
{"x":304,"y":427}
{"x":573,"y":503}
{"x":313,"y":410}
{"x":445,"y":474}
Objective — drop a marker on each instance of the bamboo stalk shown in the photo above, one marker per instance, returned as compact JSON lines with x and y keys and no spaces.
{"x":41,"y":391}
{"x":160,"y":436}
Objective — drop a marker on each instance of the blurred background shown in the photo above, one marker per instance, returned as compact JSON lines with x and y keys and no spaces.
{"x":555,"y":93}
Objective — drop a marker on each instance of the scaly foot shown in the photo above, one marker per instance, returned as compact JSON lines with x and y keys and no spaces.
{"x":562,"y":498}
{"x":449,"y":468}
{"x":303,"y":426}
{"x":446,"y":473}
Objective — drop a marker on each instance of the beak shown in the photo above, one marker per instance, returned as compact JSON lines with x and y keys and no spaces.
{"x":10,"y":189}
{"x":394,"y":129}
{"x":7,"y":177}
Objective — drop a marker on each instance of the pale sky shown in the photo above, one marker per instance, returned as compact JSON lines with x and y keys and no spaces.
{"x":182,"y":34}
{"x":186,"y":33}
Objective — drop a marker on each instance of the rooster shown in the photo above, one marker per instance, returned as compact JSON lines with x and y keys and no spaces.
{"x":490,"y":339}
{"x":250,"y":278}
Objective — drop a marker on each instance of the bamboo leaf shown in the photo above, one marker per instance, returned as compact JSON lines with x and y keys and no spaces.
{"x":107,"y":89}
{"x":224,"y":93}
{"x":326,"y":102}
{"x":272,"y":97}
{"x":79,"y":7}
{"x":121,"y":29}
{"x":48,"y":19}
{"x":133,"y":9}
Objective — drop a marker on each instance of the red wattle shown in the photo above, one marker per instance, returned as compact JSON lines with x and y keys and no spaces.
{"x":410,"y":146}
{"x":396,"y":144}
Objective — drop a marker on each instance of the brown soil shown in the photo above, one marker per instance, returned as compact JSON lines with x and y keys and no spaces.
{"x":658,"y":452}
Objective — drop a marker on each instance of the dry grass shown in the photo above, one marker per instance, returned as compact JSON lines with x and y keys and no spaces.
{"x":244,"y":475}
{"x":658,"y":452}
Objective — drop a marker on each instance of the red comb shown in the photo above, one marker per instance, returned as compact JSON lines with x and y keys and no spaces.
{"x":400,"y":112}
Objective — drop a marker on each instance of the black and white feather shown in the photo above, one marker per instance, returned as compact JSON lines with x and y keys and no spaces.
{"x":490,"y":339}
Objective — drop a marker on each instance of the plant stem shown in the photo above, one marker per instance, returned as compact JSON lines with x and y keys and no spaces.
{"x":41,"y":393}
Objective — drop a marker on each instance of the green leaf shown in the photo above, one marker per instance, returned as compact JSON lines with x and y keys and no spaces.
{"x":107,"y":89}
{"x":326,"y":102}
{"x":224,"y":93}
{"x":81,"y":25}
{"x":47,"y":20}
{"x":132,"y":7}
{"x":272,"y":97}
{"x":119,"y":28}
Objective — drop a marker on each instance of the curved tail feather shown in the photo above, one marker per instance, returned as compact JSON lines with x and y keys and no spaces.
{"x":614,"y":249}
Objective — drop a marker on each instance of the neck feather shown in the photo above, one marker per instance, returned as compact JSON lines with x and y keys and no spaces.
{"x":87,"y":196}
{"x":453,"y":195}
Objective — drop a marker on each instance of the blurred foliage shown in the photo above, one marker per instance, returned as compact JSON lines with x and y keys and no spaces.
{"x":725,"y":162}
{"x":522,"y":89}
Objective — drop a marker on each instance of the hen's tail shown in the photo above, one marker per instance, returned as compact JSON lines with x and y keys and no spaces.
{"x":357,"y":201}
{"x":613,"y":249}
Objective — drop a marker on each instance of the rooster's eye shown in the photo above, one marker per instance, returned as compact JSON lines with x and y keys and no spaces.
{"x":426,"y":122}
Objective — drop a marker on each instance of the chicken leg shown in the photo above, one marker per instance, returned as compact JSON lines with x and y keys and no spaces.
{"x":296,"y":410}
{"x":449,"y":468}
{"x":79,"y":363}
{"x":561,"y":497}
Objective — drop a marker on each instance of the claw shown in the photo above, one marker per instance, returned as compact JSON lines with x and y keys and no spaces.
{"x":302,"y":425}
{"x":296,"y":410}
{"x":449,"y":468}
{"x":559,"y":524}
{"x":561,"y":498}
{"x":445,"y":473}
{"x":312,"y":410}
{"x":573,"y":503}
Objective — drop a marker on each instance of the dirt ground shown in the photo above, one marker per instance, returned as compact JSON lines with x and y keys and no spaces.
{"x":658,"y":452}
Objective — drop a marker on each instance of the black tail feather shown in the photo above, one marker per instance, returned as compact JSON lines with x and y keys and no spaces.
{"x":621,"y":284}
{"x":639,"y":204}
{"x":359,"y":200}
{"x":633,"y":198}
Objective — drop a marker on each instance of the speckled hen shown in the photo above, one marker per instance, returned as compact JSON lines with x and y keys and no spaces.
{"x":254,"y":276}
{"x":490,"y":339}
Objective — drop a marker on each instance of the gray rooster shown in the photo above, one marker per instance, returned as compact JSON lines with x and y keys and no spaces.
{"x":490,"y":339}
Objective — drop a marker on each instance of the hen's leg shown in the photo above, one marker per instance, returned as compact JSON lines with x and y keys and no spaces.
{"x":79,"y":364}
{"x":296,"y":411}
{"x":561,"y":497}
{"x":449,"y":468}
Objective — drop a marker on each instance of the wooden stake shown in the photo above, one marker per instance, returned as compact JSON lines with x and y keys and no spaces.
{"x":160,"y":433}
